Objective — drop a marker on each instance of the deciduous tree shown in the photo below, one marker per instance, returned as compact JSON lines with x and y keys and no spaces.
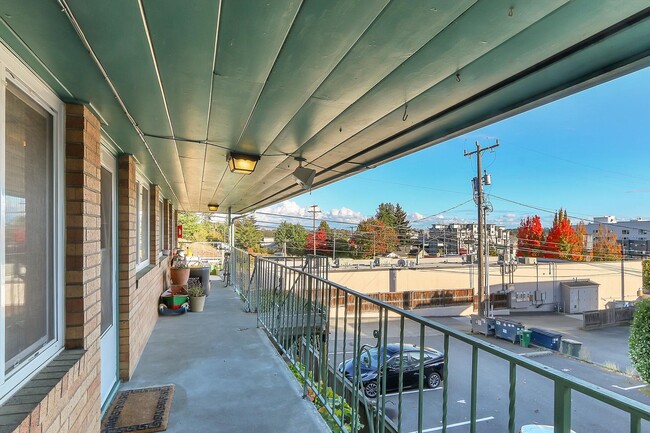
{"x":606,"y":246}
{"x":583,"y":236}
{"x":562,"y":241}
{"x":373,"y":238}
{"x":530,"y":237}
{"x":319,"y":241}
{"x":293,"y":235}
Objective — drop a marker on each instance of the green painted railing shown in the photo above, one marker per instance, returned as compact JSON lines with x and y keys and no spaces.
{"x":308,"y":318}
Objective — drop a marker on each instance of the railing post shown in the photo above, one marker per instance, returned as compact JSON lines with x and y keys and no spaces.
{"x":473,"y":397}
{"x":445,"y":385}
{"x":562,"y":407}
{"x":512,"y":397}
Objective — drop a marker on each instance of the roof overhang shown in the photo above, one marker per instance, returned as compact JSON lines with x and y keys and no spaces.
{"x":345,"y":85}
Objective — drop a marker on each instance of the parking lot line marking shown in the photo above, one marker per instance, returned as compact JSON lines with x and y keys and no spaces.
{"x":413,"y":392}
{"x":629,"y":387}
{"x":458,"y":424}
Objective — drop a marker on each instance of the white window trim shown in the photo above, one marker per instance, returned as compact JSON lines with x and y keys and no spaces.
{"x":161,"y":225}
{"x":14,"y":71}
{"x":144,"y":182}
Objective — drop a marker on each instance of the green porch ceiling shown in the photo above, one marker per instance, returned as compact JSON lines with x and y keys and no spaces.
{"x":180,"y":84}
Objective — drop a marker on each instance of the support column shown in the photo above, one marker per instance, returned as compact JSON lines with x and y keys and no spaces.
{"x":83,"y":254}
{"x":127,"y":254}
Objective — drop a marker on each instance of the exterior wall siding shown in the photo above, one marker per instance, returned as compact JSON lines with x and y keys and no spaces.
{"x":138,"y":292}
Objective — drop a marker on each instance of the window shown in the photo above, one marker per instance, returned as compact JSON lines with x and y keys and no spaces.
{"x":31,"y":242}
{"x":626,"y":232}
{"x":142,"y":222}
{"x":161,"y":215}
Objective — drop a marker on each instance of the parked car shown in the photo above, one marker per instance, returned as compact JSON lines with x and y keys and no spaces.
{"x":371,"y":367}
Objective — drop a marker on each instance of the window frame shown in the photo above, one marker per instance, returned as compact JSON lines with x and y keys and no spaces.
{"x":161,"y":225}
{"x":14,"y":71}
{"x":141,"y":182}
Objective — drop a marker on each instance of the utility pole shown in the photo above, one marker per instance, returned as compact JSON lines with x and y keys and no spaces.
{"x":334,"y":251}
{"x":313,"y":209}
{"x":477,"y":183}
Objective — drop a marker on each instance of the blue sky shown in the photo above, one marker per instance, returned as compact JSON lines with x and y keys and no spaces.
{"x":588,"y":153}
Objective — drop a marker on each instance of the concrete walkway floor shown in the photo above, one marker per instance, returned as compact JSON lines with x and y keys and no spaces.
{"x":227,"y":375}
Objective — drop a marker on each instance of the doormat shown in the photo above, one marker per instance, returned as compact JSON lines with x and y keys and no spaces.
{"x":143,"y":410}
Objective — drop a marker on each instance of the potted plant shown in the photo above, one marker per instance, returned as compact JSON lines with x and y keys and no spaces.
{"x":179,"y":272}
{"x":197,"y":296}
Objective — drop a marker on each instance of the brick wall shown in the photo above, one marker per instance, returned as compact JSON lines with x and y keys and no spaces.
{"x":127,"y":248}
{"x":139,"y":292}
{"x":143,"y":314}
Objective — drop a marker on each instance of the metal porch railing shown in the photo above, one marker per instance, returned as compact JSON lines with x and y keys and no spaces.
{"x":307,"y":317}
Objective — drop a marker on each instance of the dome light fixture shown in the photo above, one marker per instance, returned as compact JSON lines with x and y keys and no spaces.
{"x":213,"y":207}
{"x":242,"y":163}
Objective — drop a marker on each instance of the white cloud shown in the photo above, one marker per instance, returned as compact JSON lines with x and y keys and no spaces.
{"x":344,"y":214}
{"x":292,"y":212}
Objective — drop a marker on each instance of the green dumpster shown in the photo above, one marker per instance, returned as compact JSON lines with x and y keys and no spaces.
{"x":524,"y":337}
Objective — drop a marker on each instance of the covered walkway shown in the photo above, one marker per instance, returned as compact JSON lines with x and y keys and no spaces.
{"x":227,"y":375}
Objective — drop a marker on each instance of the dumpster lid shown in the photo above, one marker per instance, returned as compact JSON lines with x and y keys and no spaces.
{"x":545,"y":332}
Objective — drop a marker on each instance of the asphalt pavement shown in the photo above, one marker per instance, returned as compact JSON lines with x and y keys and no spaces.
{"x":534,"y":392}
{"x":607,"y":347}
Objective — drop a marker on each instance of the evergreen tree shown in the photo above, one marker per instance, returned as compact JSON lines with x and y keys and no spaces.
{"x":386,"y":214}
{"x":403,"y":225}
{"x":247,"y":235}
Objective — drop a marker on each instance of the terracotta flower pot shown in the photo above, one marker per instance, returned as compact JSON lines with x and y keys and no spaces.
{"x":179,"y":276}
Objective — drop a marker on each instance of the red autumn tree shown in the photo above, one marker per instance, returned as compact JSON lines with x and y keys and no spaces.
{"x":530,"y":237}
{"x":606,"y":246}
{"x":562,"y":241}
{"x":322,"y":248}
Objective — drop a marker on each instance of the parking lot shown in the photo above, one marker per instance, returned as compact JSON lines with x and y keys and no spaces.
{"x":534,"y":393}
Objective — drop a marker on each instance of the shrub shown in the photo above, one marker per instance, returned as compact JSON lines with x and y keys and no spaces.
{"x":640,"y":339}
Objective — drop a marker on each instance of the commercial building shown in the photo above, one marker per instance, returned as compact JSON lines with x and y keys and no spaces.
{"x":633,"y":235}
{"x":454,"y":239}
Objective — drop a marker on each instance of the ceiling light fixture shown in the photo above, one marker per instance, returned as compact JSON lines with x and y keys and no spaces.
{"x":213,"y":207}
{"x":242,"y":163}
{"x":303,"y":176}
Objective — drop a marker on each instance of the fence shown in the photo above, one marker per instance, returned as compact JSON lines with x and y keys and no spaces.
{"x":295,"y":310}
{"x":414,"y":299}
{"x":205,"y":250}
{"x":607,"y":317}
